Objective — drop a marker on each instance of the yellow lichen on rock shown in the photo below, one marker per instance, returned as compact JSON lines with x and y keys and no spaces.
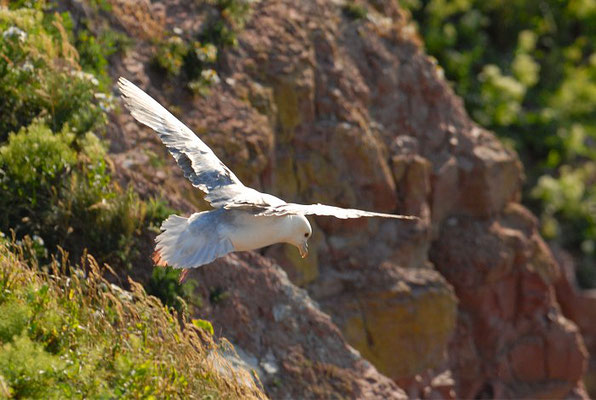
{"x":307,"y":268}
{"x":286,"y":184}
{"x":286,"y":100}
{"x":404,"y":331}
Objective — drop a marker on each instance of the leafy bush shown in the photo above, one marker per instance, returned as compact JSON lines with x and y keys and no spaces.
{"x":40,"y":77}
{"x":195,"y":58}
{"x":230,"y":18}
{"x":571,"y":198}
{"x":95,"y":50}
{"x":170,"y":55}
{"x":527,"y":70}
{"x":54,"y":192}
{"x":72,"y":334}
{"x":164,"y":285}
{"x":54,"y":177}
{"x":33,"y":163}
{"x":194,"y":61}
{"x":355,"y":11}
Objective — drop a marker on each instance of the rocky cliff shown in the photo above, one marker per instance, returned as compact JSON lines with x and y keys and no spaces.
{"x":318,"y":104}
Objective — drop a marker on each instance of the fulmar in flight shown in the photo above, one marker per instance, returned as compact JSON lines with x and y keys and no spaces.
{"x":242,"y":218}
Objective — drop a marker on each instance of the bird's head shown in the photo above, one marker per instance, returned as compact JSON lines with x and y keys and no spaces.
{"x":300,"y":233}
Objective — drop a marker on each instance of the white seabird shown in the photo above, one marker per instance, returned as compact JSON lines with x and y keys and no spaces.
{"x":242,"y":218}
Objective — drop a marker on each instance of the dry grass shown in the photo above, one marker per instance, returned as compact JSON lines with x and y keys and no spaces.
{"x":78,"y":336}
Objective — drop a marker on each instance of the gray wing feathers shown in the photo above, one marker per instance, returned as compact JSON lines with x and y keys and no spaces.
{"x":322,"y":209}
{"x":198,"y":162}
{"x":202,"y":167}
{"x":190,"y":242}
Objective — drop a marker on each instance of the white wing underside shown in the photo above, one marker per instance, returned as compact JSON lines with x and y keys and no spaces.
{"x":198,"y":162}
{"x":325,"y":210}
{"x":206,"y":172}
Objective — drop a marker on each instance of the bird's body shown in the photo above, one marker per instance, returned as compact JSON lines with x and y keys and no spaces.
{"x":207,"y":235}
{"x":253,"y":232}
{"x":242,"y":218}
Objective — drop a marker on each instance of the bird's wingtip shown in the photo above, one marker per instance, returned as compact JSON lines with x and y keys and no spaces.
{"x":124,"y":85}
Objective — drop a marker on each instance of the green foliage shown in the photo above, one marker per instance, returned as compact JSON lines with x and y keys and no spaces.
{"x":69,"y":333}
{"x":40,"y":77}
{"x":527,"y":70}
{"x":100,"y":5}
{"x":72,"y":334}
{"x":51,"y":190}
{"x":33,"y":4}
{"x":231,"y":17}
{"x":170,"y":55}
{"x":202,"y":84}
{"x":203,"y":324}
{"x":164,"y":285}
{"x":29,"y":370}
{"x":354,"y":10}
{"x":15,"y":316}
{"x":54,"y":177}
{"x":95,"y":50}
{"x":157,"y":211}
{"x":218,"y":295}
{"x":33,"y":162}
{"x":195,"y":59}
{"x":192,"y":60}
{"x":569,"y":214}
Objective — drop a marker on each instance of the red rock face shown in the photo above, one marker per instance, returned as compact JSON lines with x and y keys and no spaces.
{"x":505,"y":288}
{"x":316,"y":107}
{"x":281,"y":333}
{"x":580,"y":307}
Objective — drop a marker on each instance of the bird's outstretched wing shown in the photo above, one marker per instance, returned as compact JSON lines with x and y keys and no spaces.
{"x":206,"y":172}
{"x":322,"y":209}
{"x":198,"y":162}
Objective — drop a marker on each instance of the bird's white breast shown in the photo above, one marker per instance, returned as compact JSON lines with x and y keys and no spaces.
{"x":251,"y":232}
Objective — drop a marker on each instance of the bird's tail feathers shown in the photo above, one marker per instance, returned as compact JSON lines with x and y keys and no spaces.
{"x":171,"y":229}
{"x":179,"y":246}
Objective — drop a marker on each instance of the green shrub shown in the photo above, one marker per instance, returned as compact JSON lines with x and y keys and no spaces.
{"x":164,"y":285}
{"x":54,"y":177}
{"x":15,"y":317}
{"x":170,"y":55}
{"x":117,"y":217}
{"x":40,"y":77}
{"x":230,"y":18}
{"x":54,"y":192}
{"x":157,"y":211}
{"x":195,"y":59}
{"x":33,"y":163}
{"x":95,"y":50}
{"x":355,"y":11}
{"x":569,"y":215}
{"x":29,"y":371}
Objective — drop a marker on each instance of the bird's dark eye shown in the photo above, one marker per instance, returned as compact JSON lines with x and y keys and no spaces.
{"x":306,"y":234}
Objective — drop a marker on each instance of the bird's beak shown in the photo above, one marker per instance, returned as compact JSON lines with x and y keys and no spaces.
{"x":303,"y":248}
